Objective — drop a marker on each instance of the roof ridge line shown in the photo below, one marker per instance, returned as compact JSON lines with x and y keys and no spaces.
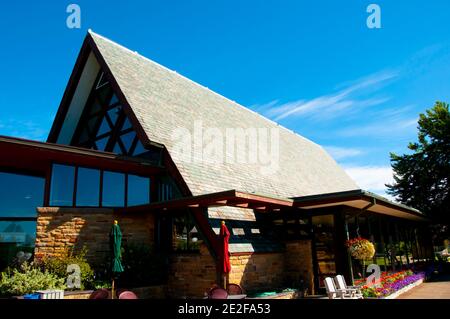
{"x":202,"y":86}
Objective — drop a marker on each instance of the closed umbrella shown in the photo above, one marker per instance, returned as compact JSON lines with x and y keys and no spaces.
{"x":115,"y":238}
{"x":225,"y":266}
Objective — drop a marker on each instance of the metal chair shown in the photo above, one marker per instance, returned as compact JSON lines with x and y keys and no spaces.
{"x":333,"y":292}
{"x":101,"y":294}
{"x":234,"y":289}
{"x":355,"y":291}
{"x":218,"y":293}
{"x":127,"y":295}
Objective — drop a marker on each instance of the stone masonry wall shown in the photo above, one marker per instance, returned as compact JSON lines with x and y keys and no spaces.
{"x":191,"y":274}
{"x":61,"y":228}
{"x":257,"y":271}
{"x":274,"y":270}
{"x":299,"y":264}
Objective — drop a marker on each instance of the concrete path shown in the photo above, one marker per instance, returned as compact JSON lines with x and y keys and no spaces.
{"x":436,"y":289}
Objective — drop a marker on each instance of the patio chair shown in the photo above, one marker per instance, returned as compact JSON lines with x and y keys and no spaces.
{"x":234,"y":289}
{"x":355,"y":291}
{"x":334,"y":293}
{"x":101,"y":294}
{"x":126,"y":294}
{"x":218,"y":293}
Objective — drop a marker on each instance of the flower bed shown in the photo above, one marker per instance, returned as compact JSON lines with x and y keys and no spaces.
{"x":391,"y":283}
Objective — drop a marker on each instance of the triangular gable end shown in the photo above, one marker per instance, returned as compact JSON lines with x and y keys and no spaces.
{"x":94,"y":112}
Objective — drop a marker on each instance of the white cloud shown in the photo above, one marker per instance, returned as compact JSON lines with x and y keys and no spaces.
{"x":371,"y":178}
{"x":332,"y":104}
{"x":389,"y":126}
{"x":23,"y":129}
{"x":339,"y":153}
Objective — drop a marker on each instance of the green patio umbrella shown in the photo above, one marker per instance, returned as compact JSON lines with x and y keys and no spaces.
{"x":115,"y":238}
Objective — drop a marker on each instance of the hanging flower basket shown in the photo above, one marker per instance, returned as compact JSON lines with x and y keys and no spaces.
{"x":361,"y":248}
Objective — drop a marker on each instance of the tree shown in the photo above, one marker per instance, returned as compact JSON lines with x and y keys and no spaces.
{"x":421,"y":179}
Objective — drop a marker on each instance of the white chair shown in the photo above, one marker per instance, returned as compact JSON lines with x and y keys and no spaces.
{"x":355,"y":291}
{"x":335,"y":293}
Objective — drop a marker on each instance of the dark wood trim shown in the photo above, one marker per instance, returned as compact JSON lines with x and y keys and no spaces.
{"x":47,"y":188}
{"x":75,"y":182}
{"x":126,"y":190}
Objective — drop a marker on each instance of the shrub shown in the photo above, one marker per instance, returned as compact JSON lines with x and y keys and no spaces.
{"x":28,"y":279}
{"x":58,"y":266}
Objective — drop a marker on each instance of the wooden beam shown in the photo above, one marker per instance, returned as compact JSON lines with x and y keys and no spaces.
{"x":243,"y":205}
{"x":194,"y":205}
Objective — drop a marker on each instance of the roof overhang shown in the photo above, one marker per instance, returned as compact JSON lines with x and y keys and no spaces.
{"x":226,"y":198}
{"x":36,"y":157}
{"x":359,"y":199}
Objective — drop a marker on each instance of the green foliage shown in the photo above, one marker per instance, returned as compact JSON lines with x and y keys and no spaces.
{"x":58,"y":266}
{"x":421,"y":179}
{"x":143,"y":267}
{"x":28,"y":279}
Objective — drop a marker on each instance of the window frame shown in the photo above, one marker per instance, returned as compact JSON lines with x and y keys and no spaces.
{"x":150,"y":178}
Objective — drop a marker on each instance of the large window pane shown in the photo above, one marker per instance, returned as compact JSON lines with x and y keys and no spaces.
{"x":20,"y":195}
{"x":62,"y":184}
{"x":138,"y":190}
{"x":16,"y":237}
{"x":88,"y":187}
{"x":113,"y":189}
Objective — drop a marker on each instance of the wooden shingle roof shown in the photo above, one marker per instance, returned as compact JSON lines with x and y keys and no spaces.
{"x":162,"y":100}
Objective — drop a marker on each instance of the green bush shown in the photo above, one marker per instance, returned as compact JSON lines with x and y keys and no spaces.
{"x":28,"y":279}
{"x":58,"y":266}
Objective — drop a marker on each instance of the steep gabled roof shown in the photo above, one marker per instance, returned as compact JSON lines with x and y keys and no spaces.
{"x":161,"y":100}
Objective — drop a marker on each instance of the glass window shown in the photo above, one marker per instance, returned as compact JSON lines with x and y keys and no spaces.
{"x":20,"y":195}
{"x":88,"y":187}
{"x":126,"y":124}
{"x":186,"y":235}
{"x":139,"y":149}
{"x":104,"y":127}
{"x":114,"y":115}
{"x":101,"y":143}
{"x":62,"y":184}
{"x":113,"y":189}
{"x":138,"y":190}
{"x":127,"y":140}
{"x":15,"y":237}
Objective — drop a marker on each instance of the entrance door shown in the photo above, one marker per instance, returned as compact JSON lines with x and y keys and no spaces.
{"x":324,"y":244}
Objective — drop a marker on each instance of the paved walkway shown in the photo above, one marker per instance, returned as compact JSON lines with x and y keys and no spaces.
{"x":436,"y":289}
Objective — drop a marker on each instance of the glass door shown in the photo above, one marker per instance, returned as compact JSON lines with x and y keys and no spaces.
{"x":323,"y":227}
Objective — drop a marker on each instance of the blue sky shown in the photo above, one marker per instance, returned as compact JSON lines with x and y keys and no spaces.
{"x":312,"y":66}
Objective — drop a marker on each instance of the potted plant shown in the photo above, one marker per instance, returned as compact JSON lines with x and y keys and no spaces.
{"x":361,"y":249}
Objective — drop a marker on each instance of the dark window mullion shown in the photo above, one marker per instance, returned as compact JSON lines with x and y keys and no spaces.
{"x":126,"y":190}
{"x":75,"y":181}
{"x":133,"y":146}
{"x":115,"y":132}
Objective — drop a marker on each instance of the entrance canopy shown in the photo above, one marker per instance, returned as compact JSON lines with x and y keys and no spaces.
{"x":358,"y":199}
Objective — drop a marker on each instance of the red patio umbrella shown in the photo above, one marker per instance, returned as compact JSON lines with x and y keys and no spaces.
{"x":224,"y":257}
